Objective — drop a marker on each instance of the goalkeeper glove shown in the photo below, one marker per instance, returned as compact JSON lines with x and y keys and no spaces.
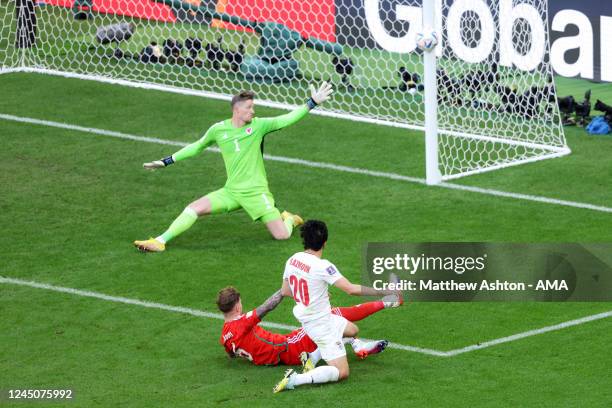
{"x":318,"y":96}
{"x":158,"y":164}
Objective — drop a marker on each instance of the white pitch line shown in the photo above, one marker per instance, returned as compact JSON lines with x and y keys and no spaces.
{"x":321,"y":165}
{"x":201,"y":313}
{"x":135,"y":302}
{"x":95,"y":131}
{"x":529,"y":333}
{"x":176,"y":309}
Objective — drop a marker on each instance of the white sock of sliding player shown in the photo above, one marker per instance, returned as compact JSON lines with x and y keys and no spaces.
{"x":319,"y":375}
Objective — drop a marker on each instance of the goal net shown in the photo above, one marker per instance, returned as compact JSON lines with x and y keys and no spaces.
{"x":496,"y":99}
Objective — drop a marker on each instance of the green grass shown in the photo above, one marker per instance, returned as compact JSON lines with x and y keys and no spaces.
{"x":73,"y":202}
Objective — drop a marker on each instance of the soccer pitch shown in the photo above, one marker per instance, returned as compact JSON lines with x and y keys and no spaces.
{"x":140,"y":330}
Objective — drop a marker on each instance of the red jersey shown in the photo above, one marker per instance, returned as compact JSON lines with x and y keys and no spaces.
{"x":242,"y":337}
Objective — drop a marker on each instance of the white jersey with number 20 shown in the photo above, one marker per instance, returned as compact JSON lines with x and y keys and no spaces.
{"x":309,"y":277}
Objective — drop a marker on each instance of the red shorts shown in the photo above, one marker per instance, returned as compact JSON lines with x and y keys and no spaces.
{"x":297,"y":342}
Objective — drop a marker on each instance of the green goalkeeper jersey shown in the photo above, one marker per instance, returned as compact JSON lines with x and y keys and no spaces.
{"x":241,"y":148}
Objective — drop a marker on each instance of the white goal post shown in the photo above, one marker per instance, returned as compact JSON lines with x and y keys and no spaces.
{"x":485,"y":96}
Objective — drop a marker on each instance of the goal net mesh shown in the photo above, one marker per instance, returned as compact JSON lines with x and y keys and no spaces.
{"x":496,"y":106}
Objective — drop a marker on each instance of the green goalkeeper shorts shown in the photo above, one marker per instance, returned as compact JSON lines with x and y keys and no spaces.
{"x":258,"y":204}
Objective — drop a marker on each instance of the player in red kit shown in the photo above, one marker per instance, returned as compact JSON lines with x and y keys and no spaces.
{"x":243,"y":337}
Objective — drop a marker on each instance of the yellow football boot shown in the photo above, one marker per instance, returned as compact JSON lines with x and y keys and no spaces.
{"x":150,"y":245}
{"x":285,"y":383}
{"x":307,"y":364}
{"x":297,"y":220}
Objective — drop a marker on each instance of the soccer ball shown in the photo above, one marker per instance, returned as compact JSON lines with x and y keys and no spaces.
{"x":427,"y":39}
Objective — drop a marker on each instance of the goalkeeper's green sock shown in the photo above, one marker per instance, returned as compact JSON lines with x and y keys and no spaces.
{"x":182,"y":223}
{"x":289,"y":224}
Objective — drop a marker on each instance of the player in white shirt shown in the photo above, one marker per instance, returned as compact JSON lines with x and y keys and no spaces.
{"x":306,"y":278}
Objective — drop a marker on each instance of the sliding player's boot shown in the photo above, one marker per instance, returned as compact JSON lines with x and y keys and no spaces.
{"x":285,"y":383}
{"x":150,"y":245}
{"x":393,"y":300}
{"x":307,"y":364}
{"x":372,"y":347}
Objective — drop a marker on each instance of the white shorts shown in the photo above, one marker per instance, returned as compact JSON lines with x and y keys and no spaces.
{"x":327,"y":333}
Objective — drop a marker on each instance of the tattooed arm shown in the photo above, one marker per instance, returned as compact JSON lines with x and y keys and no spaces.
{"x":269,"y":304}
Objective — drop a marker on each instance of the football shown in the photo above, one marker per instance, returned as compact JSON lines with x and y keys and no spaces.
{"x":427,"y":39}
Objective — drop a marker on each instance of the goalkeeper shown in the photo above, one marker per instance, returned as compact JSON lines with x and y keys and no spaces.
{"x":240,"y":141}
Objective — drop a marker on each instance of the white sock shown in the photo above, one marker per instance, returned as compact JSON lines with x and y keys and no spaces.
{"x":356,"y":343}
{"x":161,"y":239}
{"x":319,"y":375}
{"x":315,"y":357}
